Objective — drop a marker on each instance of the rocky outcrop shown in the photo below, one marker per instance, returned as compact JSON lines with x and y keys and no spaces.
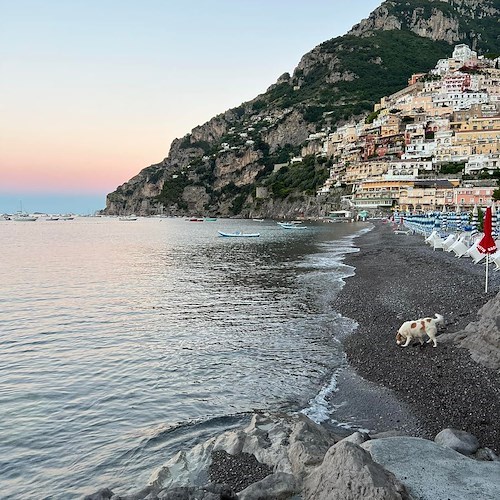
{"x":436,"y":20}
{"x":327,"y":88}
{"x":432,"y":472}
{"x":348,"y":473}
{"x":290,"y":457}
{"x":482,"y":337}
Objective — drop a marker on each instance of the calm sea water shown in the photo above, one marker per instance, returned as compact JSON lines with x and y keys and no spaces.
{"x":123,"y":342}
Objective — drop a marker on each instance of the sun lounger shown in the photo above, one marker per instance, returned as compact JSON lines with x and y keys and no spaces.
{"x":459,"y":248}
{"x":437,"y":242}
{"x":431,"y":237}
{"x":475,"y":254}
{"x":449,"y":241}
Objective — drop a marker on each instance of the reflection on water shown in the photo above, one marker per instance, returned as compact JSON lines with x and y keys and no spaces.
{"x":122,"y":342}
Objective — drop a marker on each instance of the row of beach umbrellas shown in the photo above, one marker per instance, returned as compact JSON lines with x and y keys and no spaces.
{"x":444,"y":222}
{"x":447,"y":222}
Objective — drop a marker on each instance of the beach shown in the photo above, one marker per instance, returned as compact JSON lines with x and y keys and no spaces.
{"x":399,"y":278}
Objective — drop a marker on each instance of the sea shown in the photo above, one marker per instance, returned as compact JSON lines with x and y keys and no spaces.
{"x":124,"y":342}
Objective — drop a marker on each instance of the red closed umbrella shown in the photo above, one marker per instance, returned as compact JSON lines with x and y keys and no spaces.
{"x":487,"y":244}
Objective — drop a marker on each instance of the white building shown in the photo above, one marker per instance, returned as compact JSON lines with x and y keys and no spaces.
{"x":477,"y":163}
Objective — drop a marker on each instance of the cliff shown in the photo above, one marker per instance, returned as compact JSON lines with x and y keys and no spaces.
{"x":216,"y":168}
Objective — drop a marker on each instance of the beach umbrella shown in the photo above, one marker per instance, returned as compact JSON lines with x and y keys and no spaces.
{"x":444,"y":219}
{"x":474,"y":220}
{"x":493,"y":220}
{"x":459,"y":219}
{"x":437,"y":221}
{"x":487,"y":244}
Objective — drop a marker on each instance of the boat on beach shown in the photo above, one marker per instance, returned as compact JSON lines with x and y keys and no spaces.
{"x":128,"y":218}
{"x":238,"y":234}
{"x":25,"y":218}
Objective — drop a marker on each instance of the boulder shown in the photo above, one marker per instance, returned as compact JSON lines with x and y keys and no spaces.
{"x":432,"y":472}
{"x":279,"y":486}
{"x":457,"y":440}
{"x":482,"y":337}
{"x":349,"y":473}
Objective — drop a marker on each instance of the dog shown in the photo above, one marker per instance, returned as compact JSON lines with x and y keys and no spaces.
{"x":418,"y":329}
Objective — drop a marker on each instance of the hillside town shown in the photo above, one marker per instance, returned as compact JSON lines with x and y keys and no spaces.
{"x":433,"y":145}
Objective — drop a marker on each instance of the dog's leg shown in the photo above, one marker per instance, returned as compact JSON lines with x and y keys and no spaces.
{"x":433,"y":340}
{"x":406,"y":344}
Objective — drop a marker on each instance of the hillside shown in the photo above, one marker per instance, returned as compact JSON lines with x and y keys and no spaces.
{"x":216,"y":168}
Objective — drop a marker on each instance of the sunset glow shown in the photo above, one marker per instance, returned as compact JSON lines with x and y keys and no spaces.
{"x":97,"y":91}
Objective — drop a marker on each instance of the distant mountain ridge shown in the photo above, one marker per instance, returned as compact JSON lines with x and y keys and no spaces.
{"x":217,"y":167}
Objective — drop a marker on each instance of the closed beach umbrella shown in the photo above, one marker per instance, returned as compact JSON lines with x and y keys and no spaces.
{"x":487,"y":244}
{"x":444,"y":219}
{"x":437,"y":221}
{"x":459,"y":219}
{"x":474,"y":220}
{"x":493,"y":220}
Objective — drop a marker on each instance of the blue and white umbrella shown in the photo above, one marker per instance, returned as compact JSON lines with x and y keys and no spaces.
{"x":474,"y":220}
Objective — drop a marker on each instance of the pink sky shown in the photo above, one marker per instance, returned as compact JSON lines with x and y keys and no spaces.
{"x":96,"y":91}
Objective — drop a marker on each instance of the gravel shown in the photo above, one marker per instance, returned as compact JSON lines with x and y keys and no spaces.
{"x":398,"y":278}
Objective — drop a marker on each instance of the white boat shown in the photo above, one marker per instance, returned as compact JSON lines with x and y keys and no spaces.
{"x":291,"y":225}
{"x":25,"y":218}
{"x":128,"y":217}
{"x":238,"y":234}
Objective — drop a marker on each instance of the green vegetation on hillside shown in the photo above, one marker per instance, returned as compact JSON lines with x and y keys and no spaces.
{"x":171,"y":193}
{"x":483,"y":28}
{"x":300,"y":178}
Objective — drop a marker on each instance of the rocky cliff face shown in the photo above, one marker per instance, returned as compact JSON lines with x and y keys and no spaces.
{"x":215,"y":168}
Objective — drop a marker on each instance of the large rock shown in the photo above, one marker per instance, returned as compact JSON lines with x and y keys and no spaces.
{"x":349,"y":473}
{"x":431,"y":472}
{"x":457,"y":440}
{"x":292,"y":444}
{"x":482,"y":337}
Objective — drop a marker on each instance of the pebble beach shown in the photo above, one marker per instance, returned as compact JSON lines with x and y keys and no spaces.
{"x":399,"y":278}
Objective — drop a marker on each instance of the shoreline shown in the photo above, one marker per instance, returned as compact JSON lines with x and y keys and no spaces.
{"x":397,"y":278}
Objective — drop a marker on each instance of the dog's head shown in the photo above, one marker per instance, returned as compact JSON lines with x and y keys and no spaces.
{"x":400,"y":338}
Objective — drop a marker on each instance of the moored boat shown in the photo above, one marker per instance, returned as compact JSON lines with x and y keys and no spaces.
{"x":238,"y":234}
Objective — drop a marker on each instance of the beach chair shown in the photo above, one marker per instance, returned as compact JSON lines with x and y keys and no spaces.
{"x":449,"y":241}
{"x":459,"y":248}
{"x":495,"y":259}
{"x":431,"y":237}
{"x":437,"y":242}
{"x":474,"y":253}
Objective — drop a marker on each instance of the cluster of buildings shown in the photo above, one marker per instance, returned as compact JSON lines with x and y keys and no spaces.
{"x":434,"y":144}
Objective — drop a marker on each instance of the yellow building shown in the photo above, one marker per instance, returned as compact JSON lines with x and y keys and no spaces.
{"x":379,"y":193}
{"x":358,"y":171}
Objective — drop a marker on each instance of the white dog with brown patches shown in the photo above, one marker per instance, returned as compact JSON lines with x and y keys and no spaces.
{"x":418,"y":329}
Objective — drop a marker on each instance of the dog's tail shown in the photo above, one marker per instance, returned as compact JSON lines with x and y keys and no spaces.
{"x":439,"y":319}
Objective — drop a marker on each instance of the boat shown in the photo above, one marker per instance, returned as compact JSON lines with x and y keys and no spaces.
{"x":128,"y":217}
{"x":52,"y":218}
{"x":258,"y":220}
{"x":210,"y":219}
{"x":25,"y":218}
{"x":238,"y":234}
{"x":291,"y":225}
{"x":195,"y":219}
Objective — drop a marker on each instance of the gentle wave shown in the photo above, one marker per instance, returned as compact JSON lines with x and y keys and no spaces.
{"x":123,"y":343}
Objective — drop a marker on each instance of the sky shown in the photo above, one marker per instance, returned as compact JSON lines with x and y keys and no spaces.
{"x":93,"y":91}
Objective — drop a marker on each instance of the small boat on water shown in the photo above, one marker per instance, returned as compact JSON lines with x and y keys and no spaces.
{"x":238,"y":234}
{"x":129,"y":217}
{"x":196,"y":219}
{"x":210,"y":219}
{"x":291,"y":225}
